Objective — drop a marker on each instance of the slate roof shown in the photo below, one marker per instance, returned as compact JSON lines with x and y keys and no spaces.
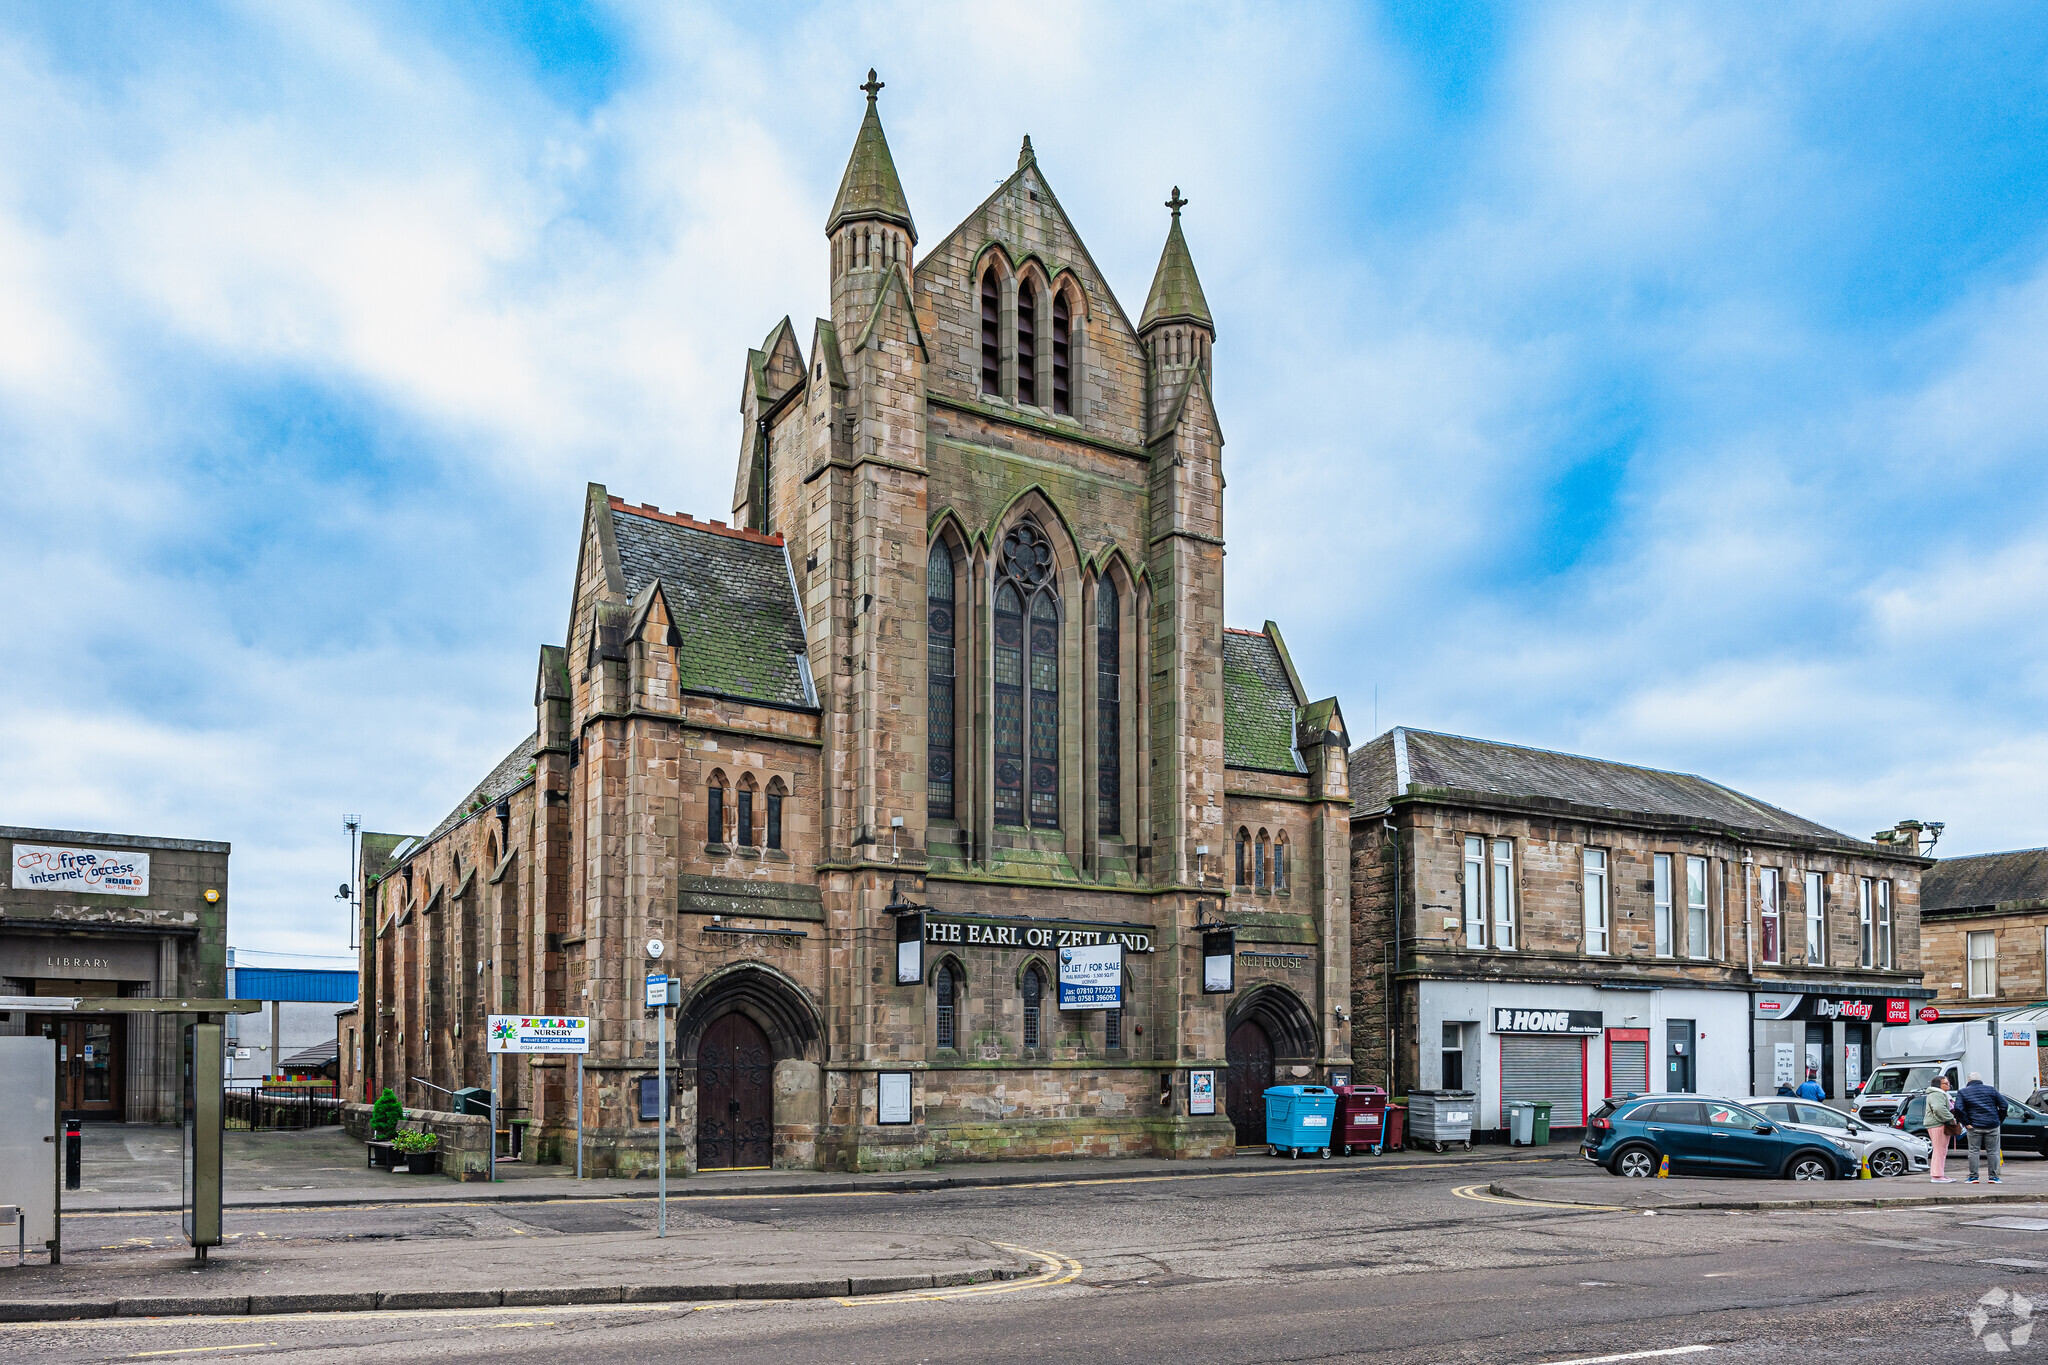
{"x":870,"y":189}
{"x":730,"y":595}
{"x":1176,"y":289}
{"x":506,"y":778}
{"x":1258,"y":705}
{"x":1981,"y":880}
{"x":1422,"y":758}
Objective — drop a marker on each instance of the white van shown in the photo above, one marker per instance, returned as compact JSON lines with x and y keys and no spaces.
{"x":2001,"y":1049}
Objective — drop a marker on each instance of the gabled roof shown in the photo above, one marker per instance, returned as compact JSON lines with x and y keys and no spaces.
{"x":870,"y":189}
{"x":507,"y":777}
{"x":1404,"y":759}
{"x":1176,"y":289}
{"x":1980,"y":881}
{"x":730,"y":596}
{"x":1259,"y":704}
{"x":377,"y":851}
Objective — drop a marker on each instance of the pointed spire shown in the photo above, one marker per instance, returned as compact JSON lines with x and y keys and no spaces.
{"x":1176,"y":290}
{"x":870,"y":189}
{"x":1025,"y":156}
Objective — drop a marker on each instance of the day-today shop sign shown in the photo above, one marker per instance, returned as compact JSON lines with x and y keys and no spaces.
{"x":99,"y":871}
{"x":538,"y":1033}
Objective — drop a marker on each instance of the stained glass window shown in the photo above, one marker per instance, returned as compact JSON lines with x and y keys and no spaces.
{"x":938,"y":591}
{"x":1009,"y":706}
{"x":1108,"y":714}
{"x":1045,"y":712}
{"x":1027,"y":705}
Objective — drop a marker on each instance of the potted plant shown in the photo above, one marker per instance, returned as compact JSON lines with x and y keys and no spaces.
{"x":419,"y":1152}
{"x":385,"y":1115}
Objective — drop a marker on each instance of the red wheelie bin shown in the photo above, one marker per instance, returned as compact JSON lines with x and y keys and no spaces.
{"x":1361,"y":1119}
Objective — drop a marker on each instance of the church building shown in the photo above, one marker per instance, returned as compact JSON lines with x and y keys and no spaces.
{"x":933,"y":773}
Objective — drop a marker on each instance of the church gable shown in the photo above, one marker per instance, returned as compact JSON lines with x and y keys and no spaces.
{"x":1023,"y":233}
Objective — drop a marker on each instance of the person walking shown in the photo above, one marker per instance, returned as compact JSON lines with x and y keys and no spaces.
{"x":1811,"y":1090}
{"x":1941,"y":1125}
{"x":1982,"y":1110}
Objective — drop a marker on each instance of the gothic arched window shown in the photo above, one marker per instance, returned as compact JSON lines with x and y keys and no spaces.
{"x":744,"y":820}
{"x":1034,"y":995}
{"x":1260,"y":856}
{"x":1027,"y":343}
{"x":1244,"y":857}
{"x":776,"y":792}
{"x":1062,"y":354}
{"x":1108,"y":713}
{"x":714,"y":808}
{"x":1280,"y":862}
{"x":946,"y":990}
{"x":938,"y":593}
{"x":991,"y":334}
{"x":1027,"y":682}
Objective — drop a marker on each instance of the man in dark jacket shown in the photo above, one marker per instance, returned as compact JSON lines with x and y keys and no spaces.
{"x":1981,"y":1109}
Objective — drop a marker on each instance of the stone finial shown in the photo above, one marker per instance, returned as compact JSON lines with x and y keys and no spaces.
{"x":1176,"y":203}
{"x":1025,"y":156}
{"x":873,"y":86}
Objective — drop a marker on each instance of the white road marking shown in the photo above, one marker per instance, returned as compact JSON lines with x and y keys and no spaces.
{"x":1632,"y":1355}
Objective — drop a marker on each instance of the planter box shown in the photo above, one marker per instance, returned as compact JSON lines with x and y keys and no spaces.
{"x":421,"y":1163}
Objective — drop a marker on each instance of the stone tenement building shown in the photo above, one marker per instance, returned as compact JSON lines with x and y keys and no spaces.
{"x":948,"y":710}
{"x":1539,"y":926}
{"x":1984,"y":931}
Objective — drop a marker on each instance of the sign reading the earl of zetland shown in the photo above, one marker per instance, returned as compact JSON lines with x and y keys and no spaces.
{"x":1507,"y":1020}
{"x":539,"y":1033}
{"x":1038,"y":934}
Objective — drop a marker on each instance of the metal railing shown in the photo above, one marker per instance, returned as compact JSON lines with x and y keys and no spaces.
{"x":271,"y":1105}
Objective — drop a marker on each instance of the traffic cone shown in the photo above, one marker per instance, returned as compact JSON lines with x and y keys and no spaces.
{"x":1663,"y":1167}
{"x":1863,"y":1169}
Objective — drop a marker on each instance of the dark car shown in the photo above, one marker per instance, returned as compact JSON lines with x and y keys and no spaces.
{"x":1634,"y":1134}
{"x":2024,"y":1129}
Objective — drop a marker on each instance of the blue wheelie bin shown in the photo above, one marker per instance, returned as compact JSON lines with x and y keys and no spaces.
{"x":1299,"y":1118}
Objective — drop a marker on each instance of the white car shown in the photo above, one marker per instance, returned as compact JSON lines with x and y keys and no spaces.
{"x":1890,"y":1151}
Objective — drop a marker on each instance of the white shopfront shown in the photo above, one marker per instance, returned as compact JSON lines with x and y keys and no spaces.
{"x":1574,"y":1045}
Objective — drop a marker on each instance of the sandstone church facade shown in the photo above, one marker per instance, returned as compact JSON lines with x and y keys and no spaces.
{"x":953,"y":689}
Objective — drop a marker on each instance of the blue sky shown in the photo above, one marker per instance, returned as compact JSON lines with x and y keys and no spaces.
{"x":1662,"y":382}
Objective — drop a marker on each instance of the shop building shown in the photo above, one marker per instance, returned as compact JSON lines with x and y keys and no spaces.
{"x":86,"y":914}
{"x":1984,"y":932}
{"x":946,"y":716}
{"x":1539,"y":926}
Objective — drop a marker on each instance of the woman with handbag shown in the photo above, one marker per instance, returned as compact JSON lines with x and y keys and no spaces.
{"x":1941,"y":1128}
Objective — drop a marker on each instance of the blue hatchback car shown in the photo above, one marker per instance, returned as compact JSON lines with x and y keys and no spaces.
{"x":1632,"y":1134}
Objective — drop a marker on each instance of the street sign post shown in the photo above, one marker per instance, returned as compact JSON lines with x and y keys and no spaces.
{"x":661,"y":993}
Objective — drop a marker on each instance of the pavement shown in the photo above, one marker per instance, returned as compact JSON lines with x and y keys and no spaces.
{"x":2024,"y":1181}
{"x":138,"y":1169}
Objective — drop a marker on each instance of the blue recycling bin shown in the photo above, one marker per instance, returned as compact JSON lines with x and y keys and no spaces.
{"x":1298,"y":1119}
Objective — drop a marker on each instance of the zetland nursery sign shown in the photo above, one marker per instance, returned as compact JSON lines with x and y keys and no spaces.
{"x":539,"y":1033}
{"x":98,"y":870}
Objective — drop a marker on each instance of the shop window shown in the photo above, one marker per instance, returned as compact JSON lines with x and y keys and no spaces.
{"x":1454,"y":1057}
{"x":1034,"y":995}
{"x":1816,"y":919}
{"x":1983,"y":964}
{"x":1696,"y":907}
{"x":1767,"y":915}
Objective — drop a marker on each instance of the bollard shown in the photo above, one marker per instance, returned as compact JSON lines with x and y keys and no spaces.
{"x":74,"y":1152}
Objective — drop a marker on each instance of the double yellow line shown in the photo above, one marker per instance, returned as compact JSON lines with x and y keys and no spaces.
{"x":1054,"y":1268}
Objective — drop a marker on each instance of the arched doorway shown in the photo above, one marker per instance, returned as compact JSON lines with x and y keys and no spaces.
{"x":1249,"y":1053}
{"x":735,"y":1095}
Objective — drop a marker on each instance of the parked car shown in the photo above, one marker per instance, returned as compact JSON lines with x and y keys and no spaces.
{"x":2025,"y":1128}
{"x":1634,"y":1134}
{"x":1889,"y":1150}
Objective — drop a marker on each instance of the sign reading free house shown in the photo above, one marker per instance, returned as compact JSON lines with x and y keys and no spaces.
{"x":98,"y":870}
